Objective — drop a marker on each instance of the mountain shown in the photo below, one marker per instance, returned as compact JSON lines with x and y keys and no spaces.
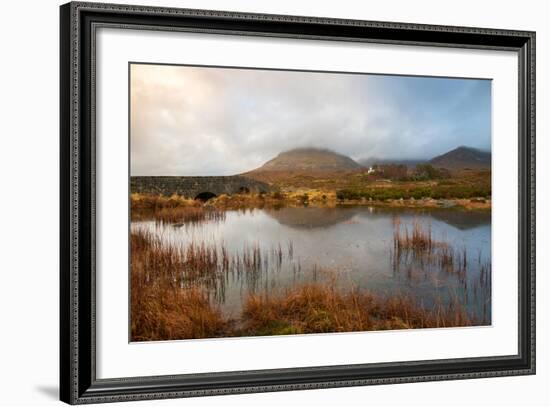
{"x":309,"y":160}
{"x":367,"y":162}
{"x":463,"y":157}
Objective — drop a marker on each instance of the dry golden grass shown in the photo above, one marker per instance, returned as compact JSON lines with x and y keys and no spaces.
{"x":144,"y":206}
{"x":151,"y":201}
{"x":165,"y":313}
{"x":245,"y":201}
{"x":187,"y":214}
{"x":169,"y":298}
{"x":292,"y":198}
{"x":161,"y":309}
{"x":174,"y":209}
{"x":315,"y":308}
{"x":459,"y":184}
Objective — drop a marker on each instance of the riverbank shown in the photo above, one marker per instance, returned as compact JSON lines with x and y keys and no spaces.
{"x":297,"y":198}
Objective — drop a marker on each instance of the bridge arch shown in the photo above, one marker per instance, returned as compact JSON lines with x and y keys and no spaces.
{"x":193,"y":187}
{"x":205,"y":196}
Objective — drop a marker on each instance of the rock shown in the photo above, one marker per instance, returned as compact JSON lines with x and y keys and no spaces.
{"x":445,"y":203}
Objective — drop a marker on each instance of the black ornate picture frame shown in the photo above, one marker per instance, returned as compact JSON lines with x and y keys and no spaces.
{"x":78,"y":381}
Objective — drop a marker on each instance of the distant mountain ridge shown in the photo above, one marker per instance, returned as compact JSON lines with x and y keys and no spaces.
{"x":463,"y":157}
{"x":368,"y":162}
{"x":309,"y":159}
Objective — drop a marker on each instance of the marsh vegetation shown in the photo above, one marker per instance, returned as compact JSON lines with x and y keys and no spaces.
{"x":215,"y":269}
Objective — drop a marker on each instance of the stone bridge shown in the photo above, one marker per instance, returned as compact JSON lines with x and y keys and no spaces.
{"x":202,"y":188}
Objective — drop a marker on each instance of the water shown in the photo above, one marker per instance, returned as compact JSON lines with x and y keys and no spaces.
{"x":347,"y":247}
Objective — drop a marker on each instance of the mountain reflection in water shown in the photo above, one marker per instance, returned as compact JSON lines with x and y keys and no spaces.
{"x":351,"y":246}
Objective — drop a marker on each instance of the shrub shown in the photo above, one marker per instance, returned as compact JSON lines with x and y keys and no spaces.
{"x":428,"y":171}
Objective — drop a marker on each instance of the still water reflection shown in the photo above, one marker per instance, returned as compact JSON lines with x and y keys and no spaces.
{"x":345,"y":246}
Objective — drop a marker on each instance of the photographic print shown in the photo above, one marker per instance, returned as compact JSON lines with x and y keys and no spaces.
{"x":279,"y":202}
{"x":240,"y":192}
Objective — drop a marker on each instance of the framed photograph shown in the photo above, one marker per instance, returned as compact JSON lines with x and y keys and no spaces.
{"x":255,"y":203}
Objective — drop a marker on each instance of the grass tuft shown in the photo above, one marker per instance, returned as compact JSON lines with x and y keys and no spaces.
{"x":318,"y":307}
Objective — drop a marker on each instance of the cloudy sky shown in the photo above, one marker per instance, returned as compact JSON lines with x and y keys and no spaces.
{"x":222,"y":121}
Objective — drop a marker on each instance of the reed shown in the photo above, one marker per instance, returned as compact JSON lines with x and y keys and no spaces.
{"x":422,"y":257}
{"x":151,"y":260}
{"x":319,"y":307}
{"x":425,"y":249}
{"x":179,"y":215}
{"x":175,"y":289}
{"x":201,"y":263}
{"x":446,"y":258}
{"x":161,"y":309}
{"x":156,"y":263}
{"x":159,"y":312}
{"x":419,"y":240}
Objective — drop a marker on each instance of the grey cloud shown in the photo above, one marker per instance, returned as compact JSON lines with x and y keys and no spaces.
{"x":212,"y":121}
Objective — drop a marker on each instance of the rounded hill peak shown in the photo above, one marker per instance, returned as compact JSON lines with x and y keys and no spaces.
{"x":310,"y":159}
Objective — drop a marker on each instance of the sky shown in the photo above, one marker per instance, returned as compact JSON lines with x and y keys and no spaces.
{"x":222,"y":121}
